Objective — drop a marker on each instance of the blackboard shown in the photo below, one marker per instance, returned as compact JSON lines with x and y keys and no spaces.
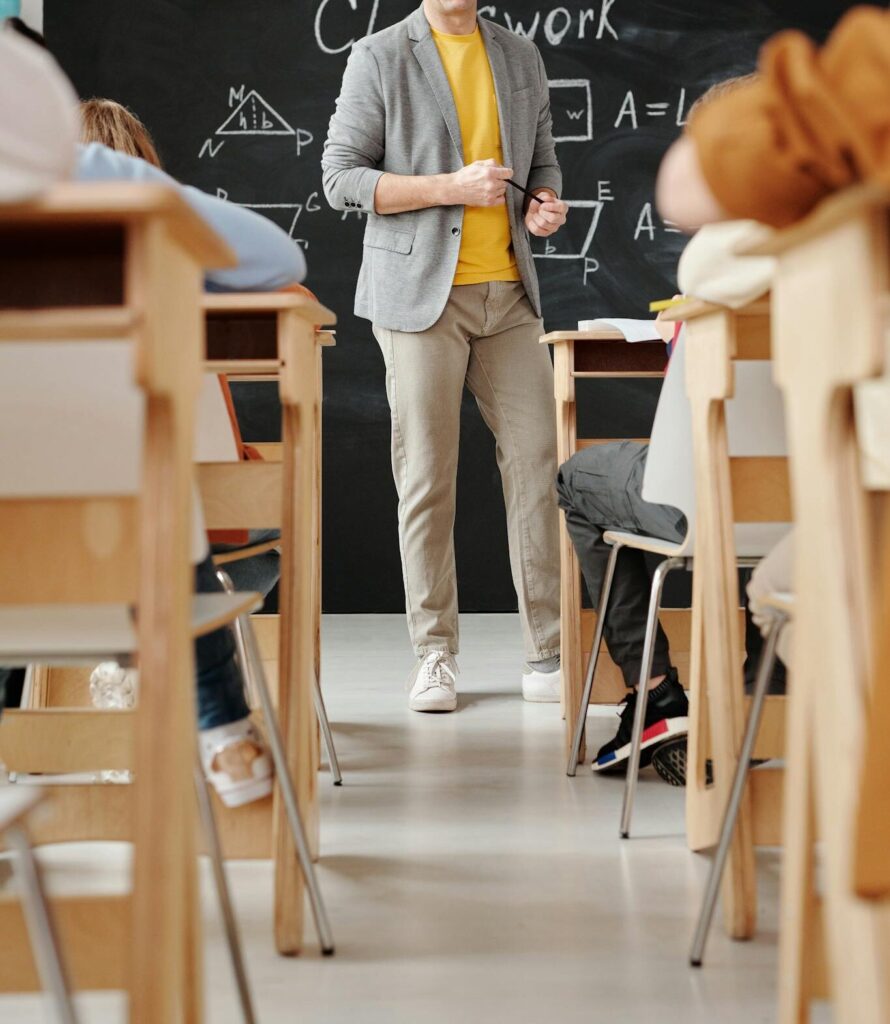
{"x":238,"y":96}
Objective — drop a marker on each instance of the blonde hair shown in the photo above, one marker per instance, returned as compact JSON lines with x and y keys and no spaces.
{"x":719,"y":89}
{"x":116,"y":127}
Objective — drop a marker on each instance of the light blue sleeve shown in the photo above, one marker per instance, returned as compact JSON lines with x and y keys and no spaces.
{"x":267,"y":257}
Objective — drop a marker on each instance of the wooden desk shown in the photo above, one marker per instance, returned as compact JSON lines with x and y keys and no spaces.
{"x":730,"y":489}
{"x":830,"y":298}
{"x":251,"y":335}
{"x":123,"y":261}
{"x":579,"y":355}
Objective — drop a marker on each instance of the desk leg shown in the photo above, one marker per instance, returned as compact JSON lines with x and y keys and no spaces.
{"x":165,"y":924}
{"x":797,"y":918}
{"x":297,"y":664}
{"x":569,"y":570}
{"x":312,"y":826}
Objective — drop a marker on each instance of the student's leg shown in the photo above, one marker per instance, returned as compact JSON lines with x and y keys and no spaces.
{"x":600,"y":489}
{"x":220,"y":688}
{"x":233,"y":755}
{"x":259,"y":573}
{"x":511,"y":376}
{"x":425,"y":373}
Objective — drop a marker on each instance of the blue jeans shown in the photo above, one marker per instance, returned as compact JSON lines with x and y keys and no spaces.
{"x":259,"y":573}
{"x":220,"y":690}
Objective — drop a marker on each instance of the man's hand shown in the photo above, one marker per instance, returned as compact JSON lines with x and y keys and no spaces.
{"x":482,"y":183}
{"x":543,"y":219}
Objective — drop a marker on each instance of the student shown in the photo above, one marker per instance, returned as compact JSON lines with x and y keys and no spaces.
{"x":600,"y":488}
{"x":449,"y":284}
{"x":233,"y":754}
{"x":814,"y":122}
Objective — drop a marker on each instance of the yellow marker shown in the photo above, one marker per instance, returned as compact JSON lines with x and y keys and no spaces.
{"x":657,"y":307}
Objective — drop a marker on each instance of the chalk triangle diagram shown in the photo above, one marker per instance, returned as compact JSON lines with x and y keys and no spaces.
{"x":254,"y":116}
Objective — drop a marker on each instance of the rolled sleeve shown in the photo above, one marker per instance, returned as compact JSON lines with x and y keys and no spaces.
{"x":354,"y":146}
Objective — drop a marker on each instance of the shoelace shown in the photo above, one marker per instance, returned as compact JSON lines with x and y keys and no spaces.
{"x":435,"y":670}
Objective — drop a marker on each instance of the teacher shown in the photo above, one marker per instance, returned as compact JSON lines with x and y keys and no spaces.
{"x":436,"y":115}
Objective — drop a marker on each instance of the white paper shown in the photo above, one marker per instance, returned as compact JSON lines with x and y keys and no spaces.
{"x":633,"y":330}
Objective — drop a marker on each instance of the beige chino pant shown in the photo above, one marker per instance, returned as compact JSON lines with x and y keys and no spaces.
{"x":487,"y":338}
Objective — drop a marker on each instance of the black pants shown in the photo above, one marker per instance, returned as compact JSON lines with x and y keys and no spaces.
{"x":600,"y":489}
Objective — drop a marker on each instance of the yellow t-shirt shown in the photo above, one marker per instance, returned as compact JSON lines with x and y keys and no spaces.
{"x":486,"y":248}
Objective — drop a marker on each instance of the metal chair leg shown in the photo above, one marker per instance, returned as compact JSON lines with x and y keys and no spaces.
{"x":230,"y":922}
{"x":289,"y":796}
{"x":322,"y":715}
{"x":633,"y":764}
{"x":41,"y":928}
{"x":731,"y":814}
{"x":581,"y":721}
{"x":250,"y":684}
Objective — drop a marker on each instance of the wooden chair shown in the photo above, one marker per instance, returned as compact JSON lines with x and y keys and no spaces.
{"x":273,"y":336}
{"x":742,"y":510}
{"x":246,"y":494}
{"x":830,"y":301}
{"x":16,"y":806}
{"x":588,"y":355}
{"x":116,"y":268}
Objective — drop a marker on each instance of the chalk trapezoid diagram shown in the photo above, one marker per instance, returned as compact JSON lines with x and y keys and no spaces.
{"x":254,"y":116}
{"x":596,"y":208}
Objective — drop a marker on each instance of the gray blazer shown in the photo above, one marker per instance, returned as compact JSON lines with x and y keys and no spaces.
{"x":396,"y":113}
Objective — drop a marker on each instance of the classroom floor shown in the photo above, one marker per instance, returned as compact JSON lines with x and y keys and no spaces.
{"x":467,"y":879}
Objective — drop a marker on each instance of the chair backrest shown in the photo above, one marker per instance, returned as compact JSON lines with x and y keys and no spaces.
{"x":72,"y":422}
{"x":71,"y":445}
{"x":757,"y":451}
{"x":669,"y":478}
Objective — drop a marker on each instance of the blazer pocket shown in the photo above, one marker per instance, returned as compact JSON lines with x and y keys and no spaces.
{"x":391,"y":239}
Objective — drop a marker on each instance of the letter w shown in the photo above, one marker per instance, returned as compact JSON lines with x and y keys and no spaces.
{"x":520,"y":30}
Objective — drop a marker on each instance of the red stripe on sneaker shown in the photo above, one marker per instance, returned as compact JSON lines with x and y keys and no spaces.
{"x":655,"y":730}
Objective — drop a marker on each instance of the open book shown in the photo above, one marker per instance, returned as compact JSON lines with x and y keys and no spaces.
{"x":633,"y":330}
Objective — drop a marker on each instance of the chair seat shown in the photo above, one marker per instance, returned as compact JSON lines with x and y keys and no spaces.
{"x":16,"y":803}
{"x":72,"y":634}
{"x":642,"y":542}
{"x":752,"y":540}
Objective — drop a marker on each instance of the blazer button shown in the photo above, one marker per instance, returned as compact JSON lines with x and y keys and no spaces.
{"x":455,"y":231}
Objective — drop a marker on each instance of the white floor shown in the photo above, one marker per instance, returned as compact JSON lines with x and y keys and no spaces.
{"x":467,"y":879}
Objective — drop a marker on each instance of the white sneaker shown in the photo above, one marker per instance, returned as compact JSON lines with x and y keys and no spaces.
{"x":433,"y":688}
{"x":542,"y":687}
{"x":236,"y":762}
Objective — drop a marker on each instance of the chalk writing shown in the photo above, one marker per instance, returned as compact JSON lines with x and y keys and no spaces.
{"x":630,"y":111}
{"x":571,"y":105}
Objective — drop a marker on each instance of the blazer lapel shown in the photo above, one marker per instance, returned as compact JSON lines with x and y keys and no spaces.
{"x":428,"y":57}
{"x":501,"y":88}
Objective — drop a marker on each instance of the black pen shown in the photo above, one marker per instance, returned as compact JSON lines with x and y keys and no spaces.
{"x":524,"y":191}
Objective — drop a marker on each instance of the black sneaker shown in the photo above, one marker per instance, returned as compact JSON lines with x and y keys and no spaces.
{"x":667,"y":716}
{"x":669,"y":760}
